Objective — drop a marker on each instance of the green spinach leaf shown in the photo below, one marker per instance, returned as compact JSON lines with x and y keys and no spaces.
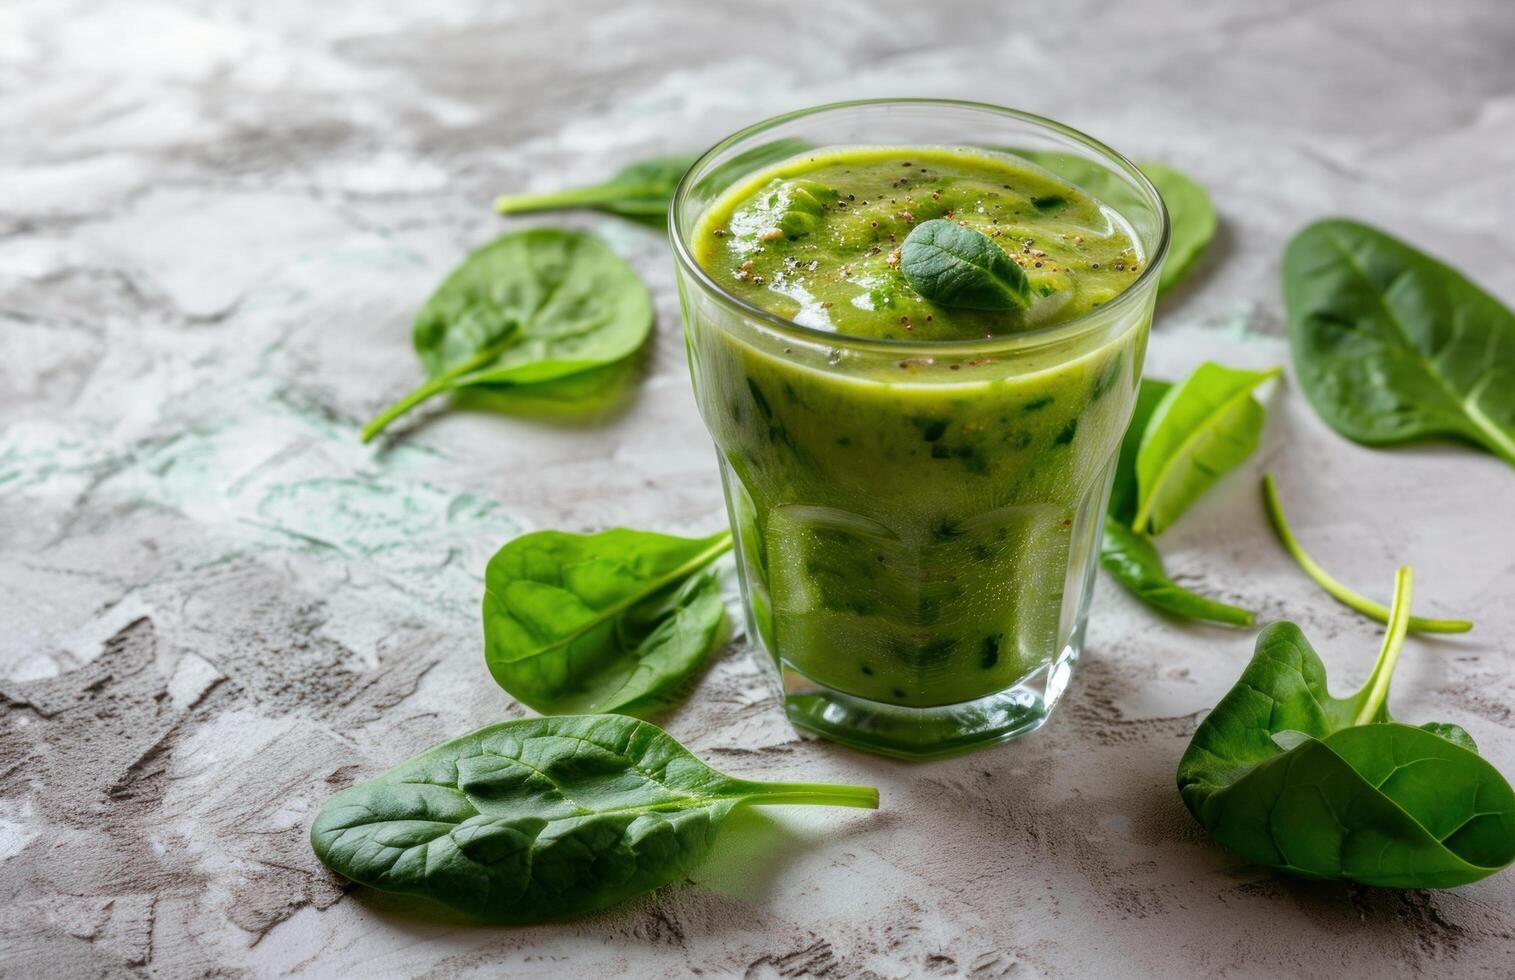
{"x":1201,"y":429}
{"x":531,"y":307}
{"x":1391,"y":345}
{"x":1286,"y":775}
{"x":614,"y":621}
{"x":1191,"y":221}
{"x":956,"y":266}
{"x":1133,"y":561}
{"x":1455,"y":734}
{"x":1123,"y":492}
{"x":1129,"y":556}
{"x":643,"y":191}
{"x":640,"y":190}
{"x":1337,"y":591}
{"x":582,"y":397}
{"x":543,"y":818}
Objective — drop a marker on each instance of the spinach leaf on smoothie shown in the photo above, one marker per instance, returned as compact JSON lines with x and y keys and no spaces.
{"x":1130,"y":556}
{"x":531,"y":307}
{"x":1284,"y":774}
{"x":1391,"y":345}
{"x":543,"y":818}
{"x":1335,"y":589}
{"x":614,"y":621}
{"x":956,"y":266}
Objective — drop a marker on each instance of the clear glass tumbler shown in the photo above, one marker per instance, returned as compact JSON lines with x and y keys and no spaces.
{"x":916,"y":557}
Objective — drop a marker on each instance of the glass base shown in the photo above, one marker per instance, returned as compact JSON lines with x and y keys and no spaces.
{"x":928,"y":733}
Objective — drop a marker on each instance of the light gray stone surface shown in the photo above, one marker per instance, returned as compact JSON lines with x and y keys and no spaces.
{"x":215,"y":223}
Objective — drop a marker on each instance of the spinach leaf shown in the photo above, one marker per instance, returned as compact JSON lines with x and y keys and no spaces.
{"x":1202,"y":428}
{"x":1123,"y":492}
{"x":643,"y":191}
{"x":530,"y":307}
{"x":1191,"y":221}
{"x":1455,"y":734}
{"x":1348,"y":792}
{"x":1191,"y":216}
{"x":614,"y":621}
{"x":580,"y":397}
{"x":1129,"y":556}
{"x":1133,"y":561}
{"x":1335,"y":589}
{"x":956,"y":266}
{"x":1391,"y":345}
{"x":543,"y":818}
{"x":640,"y":190}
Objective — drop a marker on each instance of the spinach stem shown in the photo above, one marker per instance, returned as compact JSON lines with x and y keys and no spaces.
{"x":573,"y":197}
{"x":438,"y":384}
{"x":1501,"y":445}
{"x":1333,"y":588}
{"x":820,"y":794}
{"x":1377,"y":687}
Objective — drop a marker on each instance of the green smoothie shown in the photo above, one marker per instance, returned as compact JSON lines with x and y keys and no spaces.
{"x":816,"y":240}
{"x":915,"y":523}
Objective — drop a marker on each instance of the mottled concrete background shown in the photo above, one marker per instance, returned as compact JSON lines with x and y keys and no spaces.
{"x":216,"y":220}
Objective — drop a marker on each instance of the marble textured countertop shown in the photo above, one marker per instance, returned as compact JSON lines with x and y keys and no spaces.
{"x":215,"y":223}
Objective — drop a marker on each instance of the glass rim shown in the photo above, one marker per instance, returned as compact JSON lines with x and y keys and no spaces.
{"x":1040,"y":336}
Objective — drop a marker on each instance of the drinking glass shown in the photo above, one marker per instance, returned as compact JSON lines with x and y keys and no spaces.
{"x":916,"y":559}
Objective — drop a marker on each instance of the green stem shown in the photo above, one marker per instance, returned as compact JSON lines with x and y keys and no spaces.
{"x":819,"y":794}
{"x":1335,"y":589}
{"x":1377,"y":687}
{"x":438,"y":384}
{"x":1493,"y":437}
{"x":574,"y":197}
